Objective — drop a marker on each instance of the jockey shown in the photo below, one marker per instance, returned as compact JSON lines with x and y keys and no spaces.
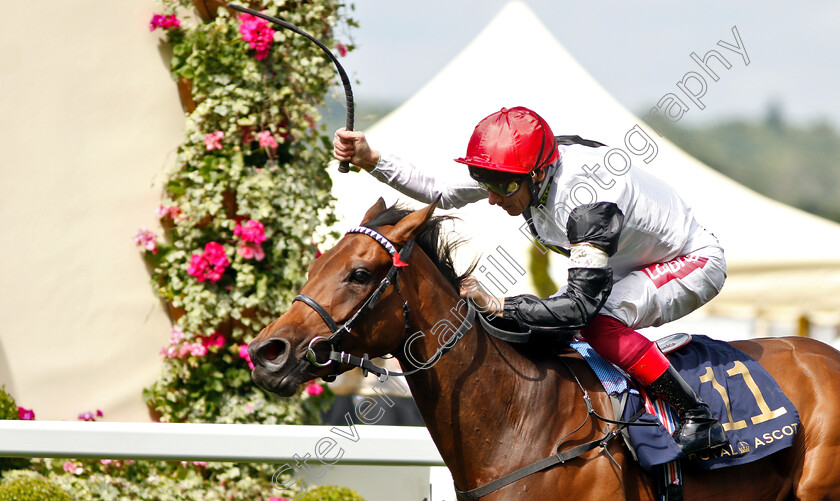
{"x":637,"y":256}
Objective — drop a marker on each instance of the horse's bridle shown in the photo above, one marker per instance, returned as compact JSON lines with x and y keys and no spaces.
{"x":335,"y":339}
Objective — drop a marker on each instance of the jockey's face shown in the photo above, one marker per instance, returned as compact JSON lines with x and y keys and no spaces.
{"x":515,"y":204}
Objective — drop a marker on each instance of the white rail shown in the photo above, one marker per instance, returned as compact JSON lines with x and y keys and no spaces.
{"x":360,"y":445}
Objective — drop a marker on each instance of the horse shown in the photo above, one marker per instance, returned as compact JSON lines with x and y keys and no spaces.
{"x":493,"y":407}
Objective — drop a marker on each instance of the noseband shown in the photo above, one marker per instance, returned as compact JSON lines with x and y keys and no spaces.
{"x":334,"y":340}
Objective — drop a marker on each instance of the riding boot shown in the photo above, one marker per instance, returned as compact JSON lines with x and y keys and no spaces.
{"x":699,"y":429}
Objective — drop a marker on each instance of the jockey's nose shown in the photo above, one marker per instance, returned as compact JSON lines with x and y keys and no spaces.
{"x":495,"y":198}
{"x":271,"y":353}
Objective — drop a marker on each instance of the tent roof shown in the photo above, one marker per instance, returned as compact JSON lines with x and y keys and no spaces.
{"x":501,"y":67}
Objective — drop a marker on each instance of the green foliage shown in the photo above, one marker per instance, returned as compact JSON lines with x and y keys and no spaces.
{"x":9,"y":410}
{"x":8,"y":406}
{"x":331,"y":493}
{"x":90,"y":480}
{"x":794,"y":164}
{"x":284,"y":186}
{"x":224,"y":180}
{"x":29,"y":486}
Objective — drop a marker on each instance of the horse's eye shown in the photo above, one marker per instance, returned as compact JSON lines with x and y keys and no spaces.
{"x":360,"y":276}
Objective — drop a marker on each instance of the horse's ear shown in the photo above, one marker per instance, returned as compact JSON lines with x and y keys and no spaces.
{"x":413,"y":224}
{"x":375,"y":210}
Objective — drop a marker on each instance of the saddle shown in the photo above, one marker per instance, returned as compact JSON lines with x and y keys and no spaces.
{"x":758,"y":418}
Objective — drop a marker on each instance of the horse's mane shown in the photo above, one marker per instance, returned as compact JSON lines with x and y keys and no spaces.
{"x":432,"y":240}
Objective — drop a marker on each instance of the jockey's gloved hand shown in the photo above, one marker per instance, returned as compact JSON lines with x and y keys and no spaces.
{"x":593,"y":230}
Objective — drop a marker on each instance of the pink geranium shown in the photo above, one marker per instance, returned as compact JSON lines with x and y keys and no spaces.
{"x":252,"y":235}
{"x":314,"y":388}
{"x":342,"y":49}
{"x":213,"y":141}
{"x":266,"y":139}
{"x":209,"y":265}
{"x":71,"y":467}
{"x":178,"y":348}
{"x":26,"y":414}
{"x":243,"y":353}
{"x":165,"y":22}
{"x":90,"y":416}
{"x":146,"y":239}
{"x":257,"y":33}
{"x":252,"y":231}
{"x":172,"y":211}
{"x":217,"y":339}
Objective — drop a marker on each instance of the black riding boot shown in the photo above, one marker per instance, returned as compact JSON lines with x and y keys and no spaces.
{"x":699,"y":429}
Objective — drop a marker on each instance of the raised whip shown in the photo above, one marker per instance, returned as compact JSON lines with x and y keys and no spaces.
{"x":348,"y":91}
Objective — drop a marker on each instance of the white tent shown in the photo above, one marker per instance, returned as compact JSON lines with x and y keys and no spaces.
{"x":776,"y":265}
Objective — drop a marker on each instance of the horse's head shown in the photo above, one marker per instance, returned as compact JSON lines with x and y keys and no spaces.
{"x":294,"y":348}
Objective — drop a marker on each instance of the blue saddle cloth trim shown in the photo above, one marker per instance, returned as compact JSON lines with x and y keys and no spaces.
{"x":765,"y":421}
{"x":611,"y":378}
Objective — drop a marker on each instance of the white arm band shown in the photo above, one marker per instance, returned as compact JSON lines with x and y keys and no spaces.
{"x":587,"y":256}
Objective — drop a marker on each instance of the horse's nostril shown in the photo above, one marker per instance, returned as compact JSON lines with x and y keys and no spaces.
{"x":273,"y":349}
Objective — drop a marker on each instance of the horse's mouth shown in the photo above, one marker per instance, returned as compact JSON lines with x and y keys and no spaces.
{"x":283,"y":382}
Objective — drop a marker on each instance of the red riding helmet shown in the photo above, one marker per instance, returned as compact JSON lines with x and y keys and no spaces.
{"x":515,"y":141}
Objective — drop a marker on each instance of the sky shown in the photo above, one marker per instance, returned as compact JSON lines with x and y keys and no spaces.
{"x":637,"y":52}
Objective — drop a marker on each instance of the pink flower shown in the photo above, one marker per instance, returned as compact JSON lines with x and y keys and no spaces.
{"x":209,"y":265}
{"x":250,"y":251}
{"x":165,"y":22}
{"x":75,"y":469}
{"x":147,"y":239}
{"x":198,"y":350}
{"x":277,"y":499}
{"x":257,"y":33}
{"x":172,"y":211}
{"x":90,"y":416}
{"x":243,"y":353}
{"x":213,"y":141}
{"x":266,"y":139}
{"x":252,"y":235}
{"x":314,"y":388}
{"x":253,"y":231}
{"x":26,"y":414}
{"x":106,"y":462}
{"x":342,"y":49}
{"x":217,"y":339}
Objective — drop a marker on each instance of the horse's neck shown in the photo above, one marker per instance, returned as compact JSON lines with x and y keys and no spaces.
{"x":483,"y":398}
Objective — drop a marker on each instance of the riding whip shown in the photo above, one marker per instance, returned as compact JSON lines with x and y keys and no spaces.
{"x":348,"y":91}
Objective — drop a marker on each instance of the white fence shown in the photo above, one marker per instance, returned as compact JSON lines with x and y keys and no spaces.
{"x":368,"y":459}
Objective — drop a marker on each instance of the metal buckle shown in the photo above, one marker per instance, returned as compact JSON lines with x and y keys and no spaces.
{"x":310,"y":353}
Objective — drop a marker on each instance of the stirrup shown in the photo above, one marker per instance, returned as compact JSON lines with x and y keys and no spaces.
{"x":700,"y":433}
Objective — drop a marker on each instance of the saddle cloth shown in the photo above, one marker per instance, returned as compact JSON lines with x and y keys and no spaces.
{"x":758,"y":418}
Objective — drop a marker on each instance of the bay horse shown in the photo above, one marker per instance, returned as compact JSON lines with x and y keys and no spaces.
{"x":493,"y":407}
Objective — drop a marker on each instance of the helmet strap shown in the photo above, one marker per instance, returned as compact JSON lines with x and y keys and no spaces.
{"x":539,"y":191}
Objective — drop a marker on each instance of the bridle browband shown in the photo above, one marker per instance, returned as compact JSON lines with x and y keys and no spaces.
{"x":335,"y":339}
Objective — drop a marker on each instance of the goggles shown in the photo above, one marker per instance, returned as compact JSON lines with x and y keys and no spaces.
{"x":504,"y":188}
